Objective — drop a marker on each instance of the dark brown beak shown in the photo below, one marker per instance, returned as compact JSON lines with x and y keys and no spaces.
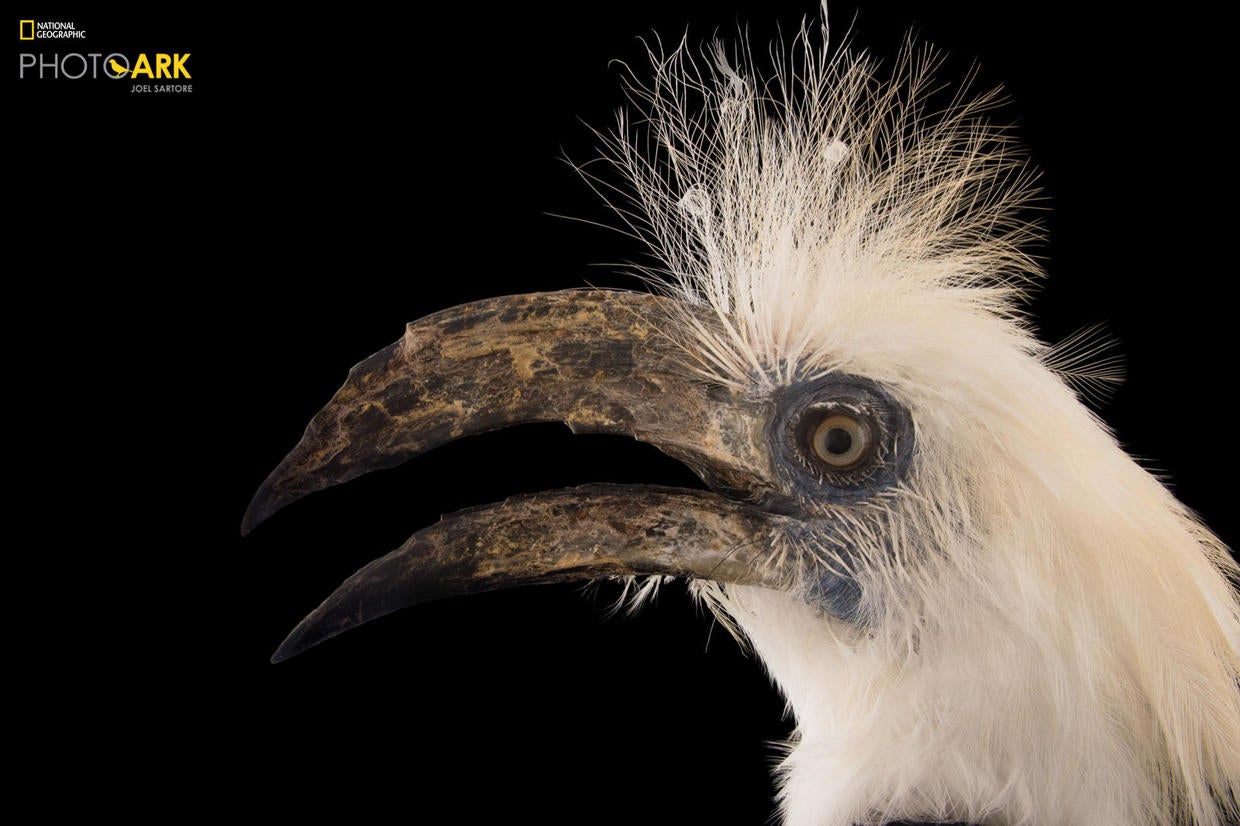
{"x":558,"y":536}
{"x":592,"y":359}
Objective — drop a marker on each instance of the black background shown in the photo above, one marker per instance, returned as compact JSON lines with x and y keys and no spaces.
{"x":193,"y":276}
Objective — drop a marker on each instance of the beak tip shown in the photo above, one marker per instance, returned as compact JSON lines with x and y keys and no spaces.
{"x":252,"y":519}
{"x":266,"y":502}
{"x":333,"y":617}
{"x":293,"y":644}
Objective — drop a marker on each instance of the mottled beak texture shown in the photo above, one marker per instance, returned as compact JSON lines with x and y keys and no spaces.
{"x":592,"y":359}
{"x":556,"y":536}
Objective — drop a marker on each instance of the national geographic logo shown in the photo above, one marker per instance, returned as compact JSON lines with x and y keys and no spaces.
{"x":49,"y":30}
{"x":165,"y":71}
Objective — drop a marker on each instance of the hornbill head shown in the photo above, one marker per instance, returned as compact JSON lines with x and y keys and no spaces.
{"x":791,"y":466}
{"x":978,"y":606}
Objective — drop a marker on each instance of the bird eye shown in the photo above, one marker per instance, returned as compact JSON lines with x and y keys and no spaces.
{"x":841,"y":441}
{"x":837,"y":438}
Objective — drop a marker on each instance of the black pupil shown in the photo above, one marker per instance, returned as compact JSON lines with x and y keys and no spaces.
{"x":839,"y":441}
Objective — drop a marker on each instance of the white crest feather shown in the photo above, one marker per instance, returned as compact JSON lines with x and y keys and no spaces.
{"x":1090,"y":360}
{"x":1054,"y":639}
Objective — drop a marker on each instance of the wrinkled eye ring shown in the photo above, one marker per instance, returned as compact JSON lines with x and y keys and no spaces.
{"x":841,"y":440}
{"x":880,"y":440}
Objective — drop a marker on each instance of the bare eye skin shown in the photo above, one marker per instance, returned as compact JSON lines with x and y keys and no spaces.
{"x":841,"y":441}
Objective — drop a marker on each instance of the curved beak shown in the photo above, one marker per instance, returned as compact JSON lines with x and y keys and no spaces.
{"x":557,"y":536}
{"x":592,"y":359}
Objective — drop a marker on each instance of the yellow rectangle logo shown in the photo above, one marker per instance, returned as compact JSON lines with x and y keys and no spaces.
{"x":27,"y":30}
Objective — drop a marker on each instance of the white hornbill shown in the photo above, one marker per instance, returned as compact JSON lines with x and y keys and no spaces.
{"x":979,"y":608}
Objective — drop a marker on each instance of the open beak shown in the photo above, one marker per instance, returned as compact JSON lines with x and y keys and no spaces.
{"x":590,"y":358}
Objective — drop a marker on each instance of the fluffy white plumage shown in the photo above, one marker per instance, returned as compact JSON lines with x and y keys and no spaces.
{"x":1052,"y":638}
